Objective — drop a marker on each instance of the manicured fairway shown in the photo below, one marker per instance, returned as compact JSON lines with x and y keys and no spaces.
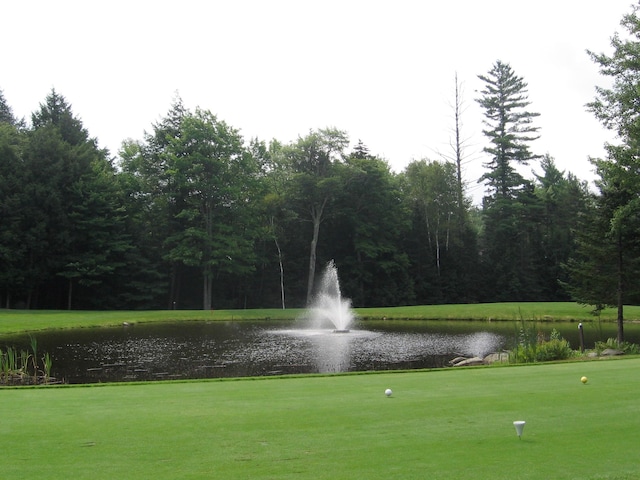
{"x":444,"y":424}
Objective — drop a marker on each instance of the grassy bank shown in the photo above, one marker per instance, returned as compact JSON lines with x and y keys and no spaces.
{"x":439,"y":425}
{"x":12,"y":321}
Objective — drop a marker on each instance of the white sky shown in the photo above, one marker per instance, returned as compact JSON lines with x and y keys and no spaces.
{"x":382,"y":71}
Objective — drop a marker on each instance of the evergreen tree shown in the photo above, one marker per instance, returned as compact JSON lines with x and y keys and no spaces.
{"x":158,"y":201}
{"x":360,"y":151}
{"x":12,"y":144}
{"x":364,"y":233}
{"x":618,"y":209}
{"x":143,"y":283}
{"x":71,"y":218}
{"x":509,"y":129}
{"x":563,"y":201}
{"x":510,"y":210}
{"x":606,"y":265}
{"x":12,"y":241}
{"x":6,"y":112}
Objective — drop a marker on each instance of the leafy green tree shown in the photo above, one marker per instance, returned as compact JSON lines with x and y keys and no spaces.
{"x":275,"y":213}
{"x":209,"y":163}
{"x":314,"y":159}
{"x":441,"y":244}
{"x":433,"y":189}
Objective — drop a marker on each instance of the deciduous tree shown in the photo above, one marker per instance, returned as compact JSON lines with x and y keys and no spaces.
{"x":208,"y":162}
{"x":313,"y":159}
{"x":440,"y":243}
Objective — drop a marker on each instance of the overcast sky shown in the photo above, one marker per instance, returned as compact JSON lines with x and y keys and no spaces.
{"x":382,"y":71}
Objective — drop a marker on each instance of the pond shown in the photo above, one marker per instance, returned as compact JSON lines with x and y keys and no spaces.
{"x":200,"y":349}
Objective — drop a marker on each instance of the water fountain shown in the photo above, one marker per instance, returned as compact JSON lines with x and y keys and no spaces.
{"x":239,"y":349}
{"x":149,"y":351}
{"x":329,"y":304}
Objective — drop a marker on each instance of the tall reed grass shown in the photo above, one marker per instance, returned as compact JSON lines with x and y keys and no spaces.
{"x":23,"y":367}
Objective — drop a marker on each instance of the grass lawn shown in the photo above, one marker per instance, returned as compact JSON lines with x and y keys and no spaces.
{"x":12,"y":321}
{"x":441,"y":424}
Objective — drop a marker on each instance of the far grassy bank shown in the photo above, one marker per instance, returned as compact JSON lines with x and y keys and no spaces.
{"x":13,"y":321}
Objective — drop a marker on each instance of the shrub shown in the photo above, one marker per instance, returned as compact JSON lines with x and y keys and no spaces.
{"x":554,"y":349}
{"x":522,"y":354}
{"x":536,"y":349}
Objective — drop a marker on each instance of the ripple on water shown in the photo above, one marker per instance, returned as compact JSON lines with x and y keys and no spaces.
{"x":203,"y":350}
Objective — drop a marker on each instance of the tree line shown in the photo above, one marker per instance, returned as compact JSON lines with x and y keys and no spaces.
{"x":193,"y":215}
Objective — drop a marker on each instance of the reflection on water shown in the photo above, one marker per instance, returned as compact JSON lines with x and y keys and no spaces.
{"x":237,"y":349}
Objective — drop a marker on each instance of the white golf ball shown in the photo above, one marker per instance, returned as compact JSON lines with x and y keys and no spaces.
{"x":388,"y":392}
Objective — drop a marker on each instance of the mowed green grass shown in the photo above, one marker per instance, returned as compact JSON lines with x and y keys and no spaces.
{"x":14,"y":321}
{"x":441,"y":424}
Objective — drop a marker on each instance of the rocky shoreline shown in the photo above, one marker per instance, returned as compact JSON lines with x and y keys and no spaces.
{"x":503,"y":357}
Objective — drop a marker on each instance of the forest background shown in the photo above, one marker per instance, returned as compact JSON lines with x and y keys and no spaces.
{"x":195,"y":216}
{"x":193,"y":209}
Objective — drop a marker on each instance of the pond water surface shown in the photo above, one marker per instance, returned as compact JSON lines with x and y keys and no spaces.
{"x":201,"y":349}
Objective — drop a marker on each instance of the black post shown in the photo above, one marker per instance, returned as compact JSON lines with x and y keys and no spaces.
{"x":581,"y":331}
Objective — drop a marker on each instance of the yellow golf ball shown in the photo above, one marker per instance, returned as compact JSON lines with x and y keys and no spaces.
{"x":584,"y":379}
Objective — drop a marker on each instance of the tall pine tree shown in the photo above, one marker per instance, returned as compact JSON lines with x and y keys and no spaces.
{"x":509,"y":208}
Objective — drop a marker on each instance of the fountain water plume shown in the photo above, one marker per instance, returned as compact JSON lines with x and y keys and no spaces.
{"x":329,"y":303}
